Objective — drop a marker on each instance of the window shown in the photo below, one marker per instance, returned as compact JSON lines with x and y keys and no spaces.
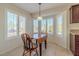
{"x":35,"y":26}
{"x":15,"y":24}
{"x":43,"y":26}
{"x":21,"y":24}
{"x":59,"y":24}
{"x":50,"y":25}
{"x":11,"y":24}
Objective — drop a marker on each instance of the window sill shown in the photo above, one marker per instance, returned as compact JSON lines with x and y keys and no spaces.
{"x":12,"y":38}
{"x":60,"y":36}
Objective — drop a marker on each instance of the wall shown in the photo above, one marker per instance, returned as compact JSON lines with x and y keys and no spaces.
{"x":7,"y":45}
{"x":64,"y":41}
{"x":58,"y":39}
{"x":71,"y":26}
{"x":74,"y":26}
{"x":52,"y":11}
{"x":67,"y":28}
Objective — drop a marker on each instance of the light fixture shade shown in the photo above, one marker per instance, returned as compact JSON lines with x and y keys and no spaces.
{"x":39,"y":18}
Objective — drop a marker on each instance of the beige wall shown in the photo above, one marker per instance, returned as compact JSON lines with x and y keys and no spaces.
{"x":73,"y":26}
{"x":67,"y":27}
{"x":52,"y":11}
{"x":7,"y":45}
{"x":61,"y":41}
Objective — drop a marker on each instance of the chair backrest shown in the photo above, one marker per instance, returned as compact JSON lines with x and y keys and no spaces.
{"x":27,"y":41}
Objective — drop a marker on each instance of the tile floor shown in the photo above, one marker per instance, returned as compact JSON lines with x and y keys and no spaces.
{"x":52,"y":50}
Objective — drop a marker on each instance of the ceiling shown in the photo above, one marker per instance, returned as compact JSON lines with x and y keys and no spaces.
{"x":34,"y":7}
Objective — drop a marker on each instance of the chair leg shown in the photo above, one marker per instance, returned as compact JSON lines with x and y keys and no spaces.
{"x":23,"y":52}
{"x":36,"y":52}
{"x":30,"y":53}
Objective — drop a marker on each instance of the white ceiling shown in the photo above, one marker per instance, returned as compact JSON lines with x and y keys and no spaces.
{"x":34,"y":7}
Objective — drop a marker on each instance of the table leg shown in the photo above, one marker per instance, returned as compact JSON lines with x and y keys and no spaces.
{"x":36,"y":43}
{"x":40,"y":49}
{"x":45,"y":44}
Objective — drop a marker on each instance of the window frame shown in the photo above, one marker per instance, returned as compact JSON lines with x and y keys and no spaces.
{"x":6,"y":27}
{"x":52,"y":24}
{"x":19,"y":23}
{"x":33,"y":26}
{"x":60,"y":35}
{"x":43,"y":25}
{"x":39,"y":25}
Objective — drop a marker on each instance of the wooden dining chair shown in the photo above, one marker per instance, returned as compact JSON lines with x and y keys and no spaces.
{"x":29,"y":46}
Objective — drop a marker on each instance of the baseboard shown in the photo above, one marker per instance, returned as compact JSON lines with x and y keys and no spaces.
{"x":58,"y":45}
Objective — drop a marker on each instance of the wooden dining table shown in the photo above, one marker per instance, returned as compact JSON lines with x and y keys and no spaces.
{"x":40,"y":39}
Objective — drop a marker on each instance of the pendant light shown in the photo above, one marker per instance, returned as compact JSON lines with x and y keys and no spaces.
{"x":39,"y":17}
